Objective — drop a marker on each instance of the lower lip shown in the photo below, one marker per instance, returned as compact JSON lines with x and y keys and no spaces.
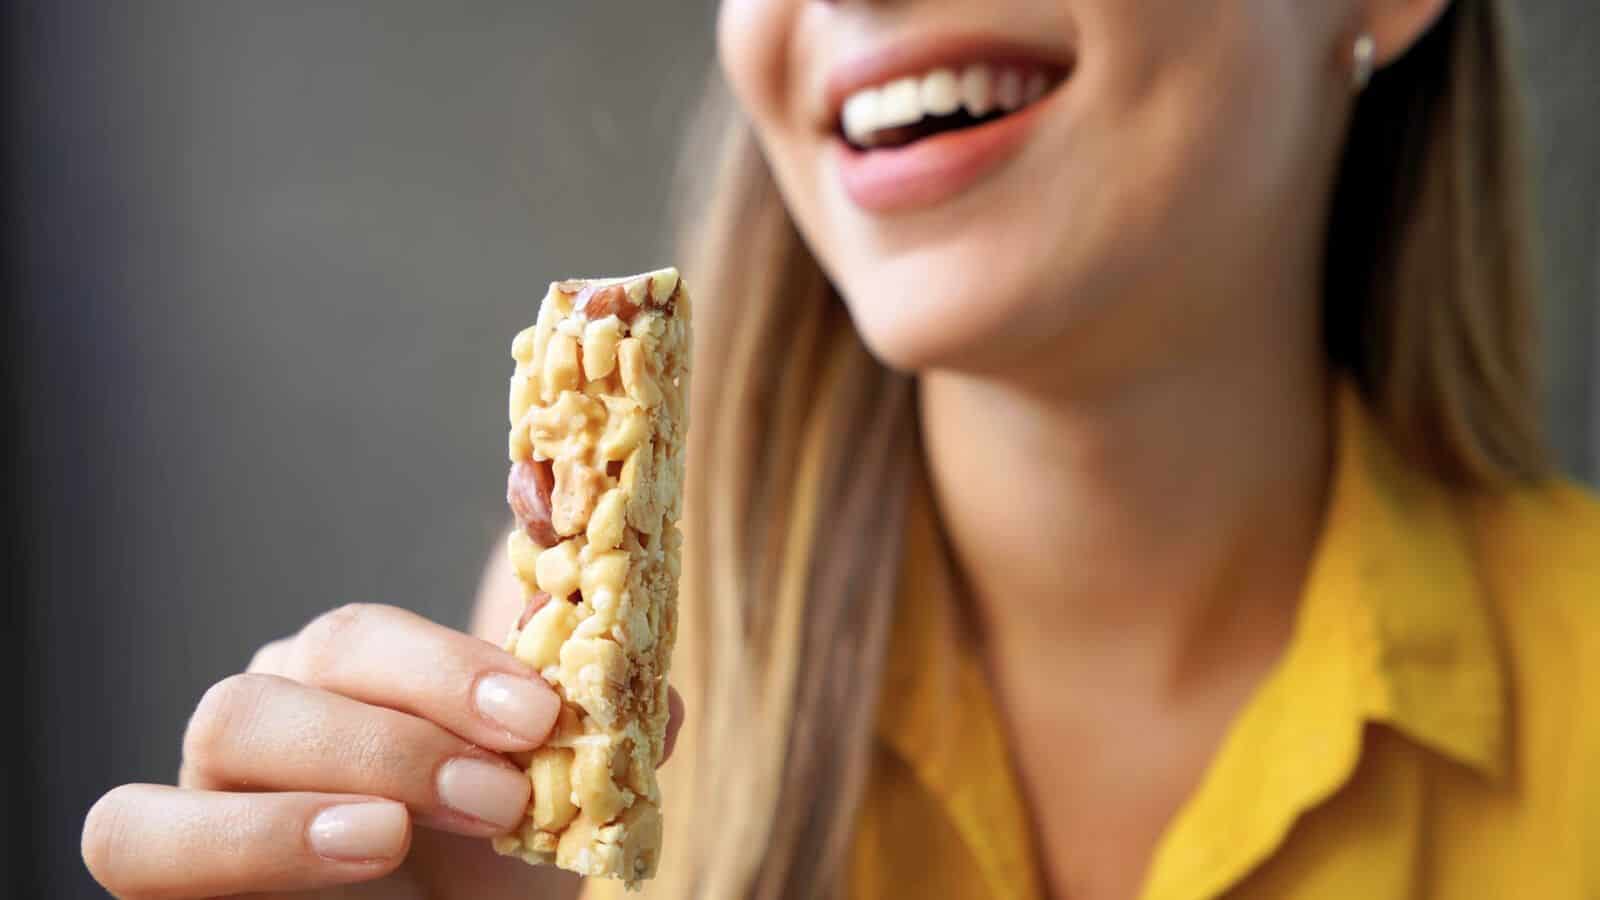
{"x":934,"y":169}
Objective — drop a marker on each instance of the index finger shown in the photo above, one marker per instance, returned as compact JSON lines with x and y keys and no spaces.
{"x":390,"y":657}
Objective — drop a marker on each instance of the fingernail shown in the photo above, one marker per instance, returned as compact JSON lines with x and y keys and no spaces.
{"x":521,"y":706}
{"x":483,"y":790}
{"x":359,"y":831}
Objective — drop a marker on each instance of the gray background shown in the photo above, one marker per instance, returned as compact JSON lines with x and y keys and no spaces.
{"x":270,"y":257}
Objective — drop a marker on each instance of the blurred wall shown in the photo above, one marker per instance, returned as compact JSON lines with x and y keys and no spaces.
{"x":1558,"y":39}
{"x":272,"y":256}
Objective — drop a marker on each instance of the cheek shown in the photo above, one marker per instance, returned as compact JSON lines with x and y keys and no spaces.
{"x":1195,"y":139}
{"x":753,"y":49}
{"x":1224,"y":109}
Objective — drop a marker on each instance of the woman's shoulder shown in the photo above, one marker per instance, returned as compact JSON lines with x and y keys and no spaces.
{"x":1540,"y":561}
{"x":1540,"y":546}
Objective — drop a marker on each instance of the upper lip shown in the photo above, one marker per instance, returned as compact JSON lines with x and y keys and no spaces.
{"x":917,"y":57}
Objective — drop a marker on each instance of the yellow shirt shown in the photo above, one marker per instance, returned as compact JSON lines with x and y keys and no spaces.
{"x":1432,"y":730}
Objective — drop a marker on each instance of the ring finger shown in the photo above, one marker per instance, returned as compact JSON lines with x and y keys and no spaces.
{"x":263,"y":732}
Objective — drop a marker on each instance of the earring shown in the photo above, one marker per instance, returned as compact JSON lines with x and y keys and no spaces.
{"x":1363,"y":57}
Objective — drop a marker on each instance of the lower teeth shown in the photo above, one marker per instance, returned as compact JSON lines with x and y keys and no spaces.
{"x":927,"y":127}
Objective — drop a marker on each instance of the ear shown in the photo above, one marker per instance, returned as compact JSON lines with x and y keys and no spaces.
{"x":1395,"y":25}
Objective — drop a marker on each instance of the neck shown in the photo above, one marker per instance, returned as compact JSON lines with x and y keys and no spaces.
{"x":1150,"y":528}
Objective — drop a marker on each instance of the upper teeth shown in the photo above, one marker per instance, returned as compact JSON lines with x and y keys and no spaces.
{"x":981,"y":88}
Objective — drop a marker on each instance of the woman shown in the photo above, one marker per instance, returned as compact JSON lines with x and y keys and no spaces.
{"x":1117,"y":476}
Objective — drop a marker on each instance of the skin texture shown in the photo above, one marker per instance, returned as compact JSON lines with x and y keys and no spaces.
{"x":336,"y":715}
{"x":1124,"y":401}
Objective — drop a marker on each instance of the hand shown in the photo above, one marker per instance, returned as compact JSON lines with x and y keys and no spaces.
{"x":310,"y":769}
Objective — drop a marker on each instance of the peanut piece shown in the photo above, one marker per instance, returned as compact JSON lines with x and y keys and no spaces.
{"x":551,"y":774}
{"x":650,"y":331}
{"x":541,"y":846}
{"x":577,"y":487}
{"x":600,"y":388}
{"x":605,"y":523}
{"x":550,"y":311}
{"x":662,"y":284}
{"x":530,"y":605}
{"x":594,"y":672}
{"x":558,"y":300}
{"x":626,"y":428}
{"x":591,"y":782}
{"x":644,"y":510}
{"x":600,"y":347}
{"x":571,"y":420}
{"x":523,"y":391}
{"x":605,"y":571}
{"x":557,"y":568}
{"x":539,"y":645}
{"x":568,"y":725}
{"x":572,"y":851}
{"x":628,"y":478}
{"x":524,"y":553}
{"x":518,"y":447}
{"x":522,"y":346}
{"x":638,"y":291}
{"x":560,"y":367}
{"x":592,"y":627}
{"x":636,"y":377}
{"x":603,"y":602}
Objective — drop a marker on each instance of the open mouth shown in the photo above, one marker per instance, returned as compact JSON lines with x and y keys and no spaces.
{"x":912,"y":107}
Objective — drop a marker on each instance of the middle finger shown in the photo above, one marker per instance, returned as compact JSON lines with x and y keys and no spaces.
{"x":264,"y":732}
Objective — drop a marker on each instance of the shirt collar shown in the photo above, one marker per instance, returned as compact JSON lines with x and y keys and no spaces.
{"x":1394,"y":627}
{"x":1395,"y":564}
{"x":937,"y":712}
{"x":1398,"y":556}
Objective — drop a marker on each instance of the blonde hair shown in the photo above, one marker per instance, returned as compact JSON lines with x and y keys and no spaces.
{"x":803,"y":443}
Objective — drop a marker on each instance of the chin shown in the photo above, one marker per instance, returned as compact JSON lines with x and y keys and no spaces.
{"x":941,"y":310}
{"x":974,"y":283}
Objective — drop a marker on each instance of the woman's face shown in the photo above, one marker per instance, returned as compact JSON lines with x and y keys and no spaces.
{"x":988,"y":181}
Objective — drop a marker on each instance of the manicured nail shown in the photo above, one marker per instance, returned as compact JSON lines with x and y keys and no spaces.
{"x":522,"y":706}
{"x":359,"y":831}
{"x":483,"y":790}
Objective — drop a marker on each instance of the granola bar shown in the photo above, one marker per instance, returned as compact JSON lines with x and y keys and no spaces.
{"x":598,"y":406}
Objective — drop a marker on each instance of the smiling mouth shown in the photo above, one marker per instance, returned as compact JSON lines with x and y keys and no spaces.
{"x":910,"y":108}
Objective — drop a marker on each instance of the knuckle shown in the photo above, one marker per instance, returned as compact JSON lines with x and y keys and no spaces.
{"x":222,"y":716}
{"x":317,"y":648}
{"x":394,"y":751}
{"x":339,"y":622}
{"x":268,"y":658}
